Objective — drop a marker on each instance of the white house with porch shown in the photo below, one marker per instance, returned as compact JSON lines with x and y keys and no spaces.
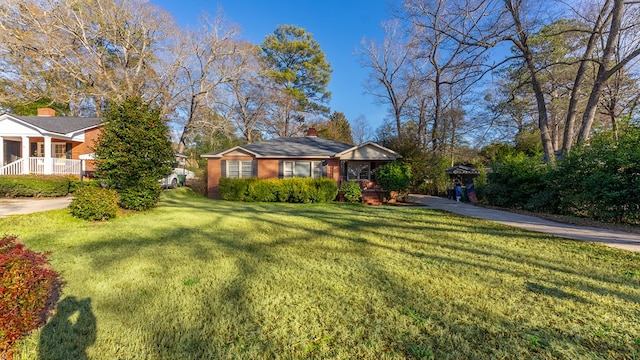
{"x":46,"y":144}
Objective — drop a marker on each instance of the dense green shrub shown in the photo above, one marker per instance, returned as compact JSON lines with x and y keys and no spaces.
{"x":281,"y":189}
{"x":597,"y":181}
{"x":94,"y":203}
{"x":300,"y":190}
{"x":394,"y":176}
{"x":428,"y":174}
{"x":520,"y":182}
{"x":351,"y":191}
{"x":261,"y":191}
{"x":326,"y":190}
{"x":134,"y":152}
{"x":233,"y":189}
{"x":27,"y":286}
{"x":140,"y":196}
{"x":75,"y":184}
{"x":601,"y":180}
{"x":33,"y":186}
{"x":296,"y":190}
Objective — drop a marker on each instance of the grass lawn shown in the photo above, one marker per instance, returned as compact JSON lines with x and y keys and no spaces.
{"x":203,"y":279}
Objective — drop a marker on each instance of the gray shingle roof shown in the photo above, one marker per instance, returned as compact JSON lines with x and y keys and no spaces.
{"x":308,"y":146}
{"x":60,"y":124}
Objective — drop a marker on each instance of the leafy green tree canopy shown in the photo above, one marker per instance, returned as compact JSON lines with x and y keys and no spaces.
{"x":134,"y":152}
{"x":336,"y":128}
{"x":298,"y":64}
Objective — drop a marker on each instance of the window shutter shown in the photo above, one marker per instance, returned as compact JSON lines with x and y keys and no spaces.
{"x":323,"y":167}
{"x":223,"y":164}
{"x":33,"y":148}
{"x":280,"y":169}
{"x":254,"y":168}
{"x":68,"y":150}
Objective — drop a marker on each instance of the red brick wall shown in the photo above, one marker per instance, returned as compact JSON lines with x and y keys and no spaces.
{"x":214,"y":172}
{"x":90,"y":139}
{"x":267,"y":169}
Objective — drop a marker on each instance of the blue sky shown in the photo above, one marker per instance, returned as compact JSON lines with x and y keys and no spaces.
{"x":338,"y":26}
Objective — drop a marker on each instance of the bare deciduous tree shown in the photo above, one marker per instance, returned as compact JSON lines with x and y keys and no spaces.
{"x":81,"y":55}
{"x":388,"y":64}
{"x":205,"y":64}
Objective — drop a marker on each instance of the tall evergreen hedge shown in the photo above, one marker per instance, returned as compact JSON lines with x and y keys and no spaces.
{"x":294,"y":190}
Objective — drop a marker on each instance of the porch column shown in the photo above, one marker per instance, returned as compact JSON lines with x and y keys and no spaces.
{"x":48,"y":164}
{"x":25,"y":155}
{"x":1,"y":151}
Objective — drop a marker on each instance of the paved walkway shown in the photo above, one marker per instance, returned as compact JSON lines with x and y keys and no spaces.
{"x":21,"y":206}
{"x":617,"y":239}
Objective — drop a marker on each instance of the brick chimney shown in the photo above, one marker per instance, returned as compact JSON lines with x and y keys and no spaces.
{"x":46,"y":112}
{"x":312,"y":132}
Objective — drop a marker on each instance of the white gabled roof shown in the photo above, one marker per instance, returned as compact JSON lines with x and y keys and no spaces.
{"x":368,"y":151}
{"x":45,"y":125}
{"x":222,"y":153}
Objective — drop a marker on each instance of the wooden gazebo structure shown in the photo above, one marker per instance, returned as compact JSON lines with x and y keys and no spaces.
{"x":462,"y":173}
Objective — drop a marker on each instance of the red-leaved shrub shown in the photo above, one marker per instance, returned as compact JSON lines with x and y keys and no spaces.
{"x":29,"y":288}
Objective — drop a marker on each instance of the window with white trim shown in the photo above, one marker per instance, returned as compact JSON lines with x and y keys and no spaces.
{"x":297,"y":168}
{"x":358,"y":171}
{"x":58,"y":150}
{"x":239,"y":169}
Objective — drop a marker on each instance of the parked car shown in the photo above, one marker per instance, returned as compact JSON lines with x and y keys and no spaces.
{"x":178,"y":177}
{"x":172,"y":181}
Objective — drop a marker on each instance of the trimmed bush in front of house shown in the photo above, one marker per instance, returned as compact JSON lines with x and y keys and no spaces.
{"x":41,"y":185}
{"x":351,"y":191}
{"x":94,"y":203}
{"x":294,"y":190}
{"x":34,"y":186}
{"x":394,"y":177}
{"x":28,"y":288}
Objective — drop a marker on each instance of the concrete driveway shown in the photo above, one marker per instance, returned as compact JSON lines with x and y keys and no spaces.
{"x":21,"y":206}
{"x":616,"y":239}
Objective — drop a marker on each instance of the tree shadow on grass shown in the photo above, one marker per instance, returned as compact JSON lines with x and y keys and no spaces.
{"x":70,"y":332}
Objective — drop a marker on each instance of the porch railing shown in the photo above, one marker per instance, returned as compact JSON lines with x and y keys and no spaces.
{"x":37,"y":165}
{"x":43,"y":166}
{"x":14,"y":168}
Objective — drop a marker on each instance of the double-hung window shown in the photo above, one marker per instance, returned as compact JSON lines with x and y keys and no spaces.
{"x":58,"y":150}
{"x":302,"y":169}
{"x":239,"y":169}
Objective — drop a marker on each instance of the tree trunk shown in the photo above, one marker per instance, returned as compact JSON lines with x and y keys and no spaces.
{"x":520,"y":41}
{"x":603,"y":73}
{"x":436,"y":116}
{"x":567,"y":141}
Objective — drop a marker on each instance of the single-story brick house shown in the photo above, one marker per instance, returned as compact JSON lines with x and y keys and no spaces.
{"x":308,"y":156}
{"x":46,"y":144}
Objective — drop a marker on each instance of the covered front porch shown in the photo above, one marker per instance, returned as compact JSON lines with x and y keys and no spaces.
{"x":37,"y":155}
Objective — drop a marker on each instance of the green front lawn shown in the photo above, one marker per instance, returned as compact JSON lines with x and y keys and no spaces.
{"x":204,"y":279}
